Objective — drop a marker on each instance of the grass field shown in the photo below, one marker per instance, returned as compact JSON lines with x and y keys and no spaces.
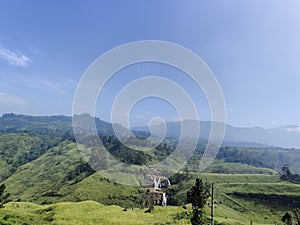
{"x":220,"y":166}
{"x":93,"y":213}
{"x":244,"y":194}
{"x":242,"y":198}
{"x":87,"y":212}
{"x":235,"y":195}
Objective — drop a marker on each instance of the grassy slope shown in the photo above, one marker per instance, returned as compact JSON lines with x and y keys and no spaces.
{"x":45,"y":180}
{"x":46,"y":174}
{"x":49,"y":172}
{"x":84,"y":213}
{"x":93,"y":213}
{"x":229,"y":210}
{"x":16,"y":150}
{"x":246,"y":208}
{"x":102,"y":190}
{"x":219,"y":166}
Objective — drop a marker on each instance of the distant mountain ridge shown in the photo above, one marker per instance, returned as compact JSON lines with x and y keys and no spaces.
{"x":286,"y":136}
{"x":58,"y":123}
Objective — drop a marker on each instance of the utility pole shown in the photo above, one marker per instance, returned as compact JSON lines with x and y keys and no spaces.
{"x":212,"y":205}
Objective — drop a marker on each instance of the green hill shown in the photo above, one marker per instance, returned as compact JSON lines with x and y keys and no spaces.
{"x":260,"y":198}
{"x":16,"y":150}
{"x":45,"y":126}
{"x":102,"y":190}
{"x":61,"y":174}
{"x":40,"y":163}
{"x":41,"y":179}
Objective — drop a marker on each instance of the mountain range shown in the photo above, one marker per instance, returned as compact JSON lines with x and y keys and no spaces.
{"x":285,"y":137}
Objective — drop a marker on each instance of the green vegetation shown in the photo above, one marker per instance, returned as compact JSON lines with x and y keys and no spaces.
{"x":287,"y":175}
{"x":222,"y":167}
{"x":61,"y":174}
{"x":293,"y":217}
{"x":3,"y":196}
{"x":40,"y":180}
{"x":287,"y":218}
{"x":16,"y":150}
{"x":40,"y":163}
{"x":242,"y":197}
{"x":87,"y":212}
{"x":102,"y":190}
{"x":197,"y":196}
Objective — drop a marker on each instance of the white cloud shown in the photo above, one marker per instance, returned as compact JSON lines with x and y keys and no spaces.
{"x":52,"y":86}
{"x":140,"y":117}
{"x":48,"y":84}
{"x":61,"y":92}
{"x":11,"y":100}
{"x":293,"y":129}
{"x":14,"y":57}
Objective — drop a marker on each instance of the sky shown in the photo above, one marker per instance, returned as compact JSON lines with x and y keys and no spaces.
{"x":252,"y":47}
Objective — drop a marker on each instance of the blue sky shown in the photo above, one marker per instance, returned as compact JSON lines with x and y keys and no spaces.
{"x":253,"y":48}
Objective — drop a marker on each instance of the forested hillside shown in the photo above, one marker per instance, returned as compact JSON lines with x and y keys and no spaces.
{"x":41,"y":163}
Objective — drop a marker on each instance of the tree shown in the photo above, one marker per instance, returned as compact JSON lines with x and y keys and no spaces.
{"x":285,"y":172}
{"x":3,"y":197}
{"x":297,"y":216}
{"x":290,"y":218}
{"x":197,"y":196}
{"x":287,"y":218}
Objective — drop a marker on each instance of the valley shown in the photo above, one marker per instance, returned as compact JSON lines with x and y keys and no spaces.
{"x":50,"y":182}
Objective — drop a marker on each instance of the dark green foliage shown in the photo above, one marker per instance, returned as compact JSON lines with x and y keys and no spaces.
{"x":163,"y":150}
{"x":128,"y":155}
{"x":81,"y":171}
{"x":266,"y":199}
{"x":51,"y":129}
{"x":197,"y":196}
{"x":17,"y":150}
{"x":48,"y":128}
{"x":54,"y":125}
{"x":267,"y":158}
{"x":124,"y":153}
{"x":287,"y":175}
{"x":2,"y":189}
{"x":273,"y":158}
{"x":178,"y":178}
{"x":297,"y":216}
{"x":115,"y":147}
{"x":3,"y":196}
{"x":133,"y":156}
{"x":42,"y":178}
{"x":287,"y":218}
{"x":176,"y":197}
{"x":291,"y":218}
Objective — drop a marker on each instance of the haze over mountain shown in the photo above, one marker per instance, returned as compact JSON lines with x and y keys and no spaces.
{"x":286,"y":136}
